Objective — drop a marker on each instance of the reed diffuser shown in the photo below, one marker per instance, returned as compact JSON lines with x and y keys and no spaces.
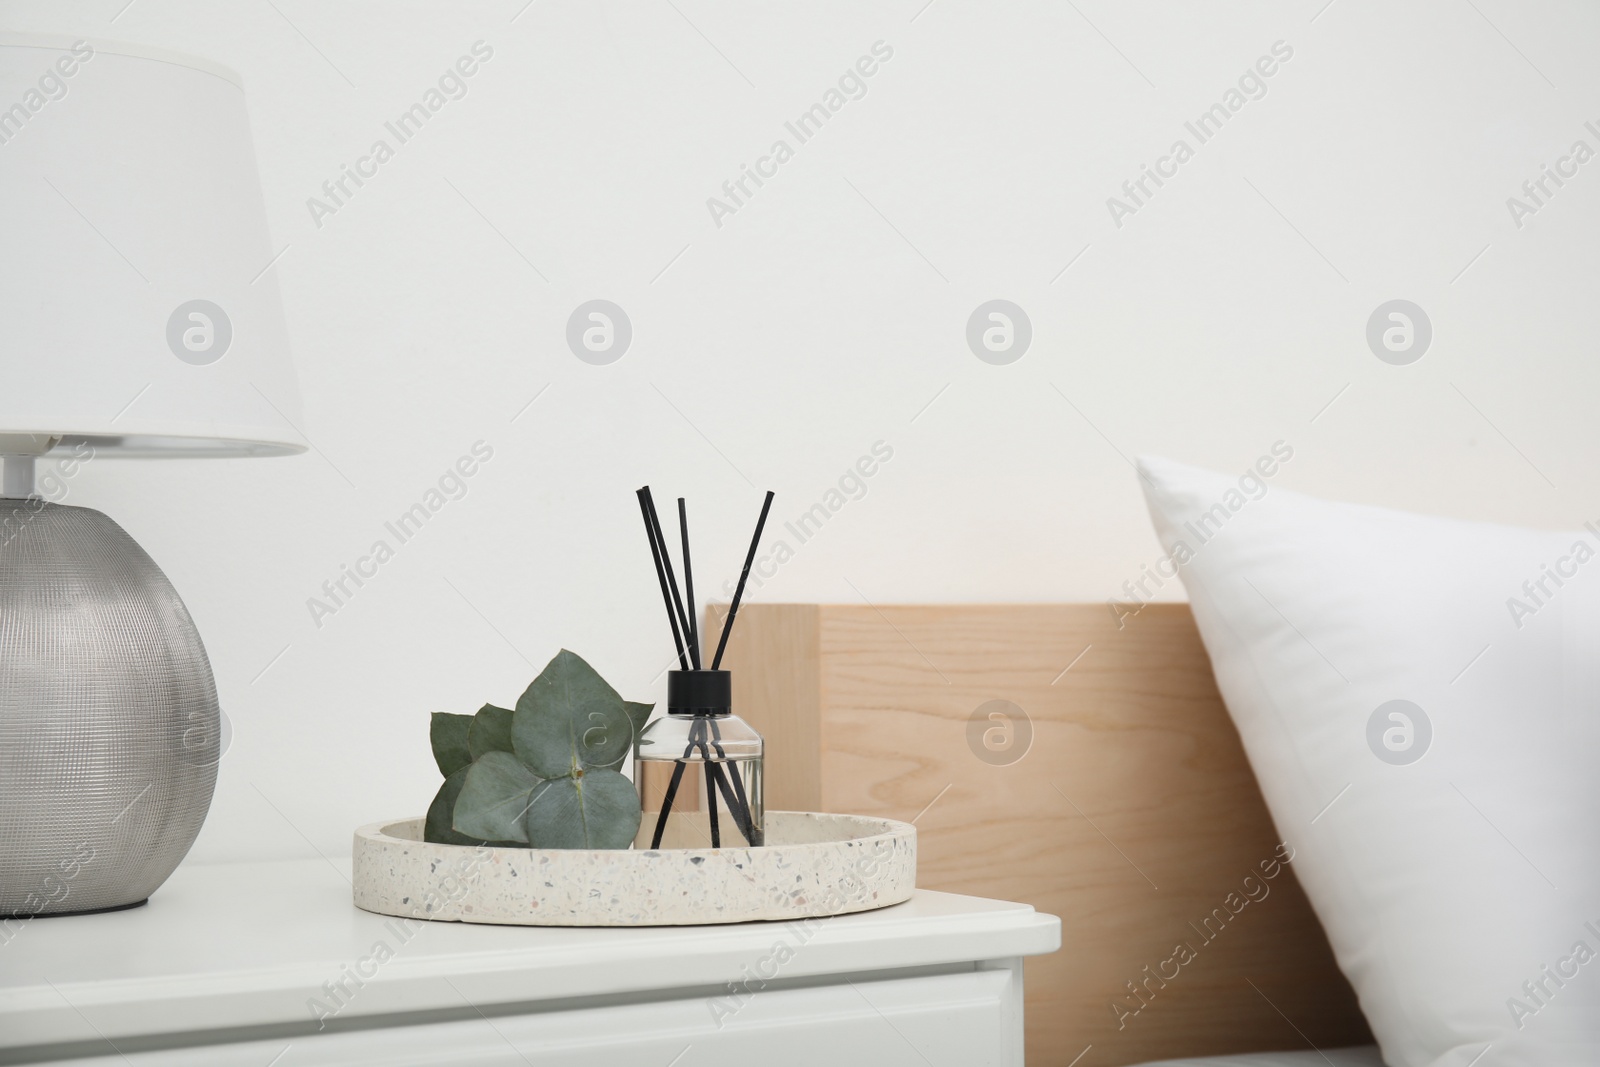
{"x":698,"y":769}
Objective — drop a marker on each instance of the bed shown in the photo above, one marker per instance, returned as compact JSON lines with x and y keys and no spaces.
{"x":1050,"y":755}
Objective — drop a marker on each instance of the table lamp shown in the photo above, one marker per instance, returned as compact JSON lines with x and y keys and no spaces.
{"x":139,"y":317}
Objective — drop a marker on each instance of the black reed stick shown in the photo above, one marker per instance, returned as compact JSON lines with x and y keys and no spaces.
{"x":737,"y":805}
{"x":740,"y":803}
{"x":738,"y":593}
{"x":666,"y":559}
{"x":688,"y":585}
{"x":741,"y":819}
{"x":711,"y":797}
{"x":656,"y":550}
{"x":678,"y":767}
{"x":697,"y":739}
{"x":716,"y":781}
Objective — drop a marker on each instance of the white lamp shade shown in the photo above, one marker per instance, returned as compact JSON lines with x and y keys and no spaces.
{"x":137,"y":309}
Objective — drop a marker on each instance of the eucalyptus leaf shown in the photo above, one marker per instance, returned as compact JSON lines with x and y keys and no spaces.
{"x":638,"y":715}
{"x":437,"y":829}
{"x":593,"y":809}
{"x":491,"y":731}
{"x":569,"y":719}
{"x":494,"y":799}
{"x":543,"y":773}
{"x":644,"y":739}
{"x":449,"y":736}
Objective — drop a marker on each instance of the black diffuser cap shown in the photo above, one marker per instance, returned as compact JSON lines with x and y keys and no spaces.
{"x":699,"y":692}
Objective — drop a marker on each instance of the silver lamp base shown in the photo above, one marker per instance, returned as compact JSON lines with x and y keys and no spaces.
{"x":109,"y":727}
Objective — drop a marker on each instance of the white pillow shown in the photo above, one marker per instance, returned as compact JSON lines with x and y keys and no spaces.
{"x":1460,"y":890}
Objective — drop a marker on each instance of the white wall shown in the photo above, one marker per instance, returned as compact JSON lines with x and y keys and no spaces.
{"x":828,"y":311}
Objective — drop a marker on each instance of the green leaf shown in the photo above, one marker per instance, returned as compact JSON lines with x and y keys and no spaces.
{"x":638,"y":715}
{"x":491,"y":731}
{"x":449,"y":736}
{"x":594,"y":809}
{"x":569,"y":720}
{"x":494,"y":799}
{"x":437,"y":829}
{"x":645,"y":739}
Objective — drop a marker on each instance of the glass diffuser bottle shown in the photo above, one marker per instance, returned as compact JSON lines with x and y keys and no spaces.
{"x":698,"y":769}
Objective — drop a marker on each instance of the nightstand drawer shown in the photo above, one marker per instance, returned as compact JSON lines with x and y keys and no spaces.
{"x":963,"y":1019}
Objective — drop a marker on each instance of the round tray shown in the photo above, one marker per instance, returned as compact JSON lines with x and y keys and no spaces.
{"x":812,"y":865}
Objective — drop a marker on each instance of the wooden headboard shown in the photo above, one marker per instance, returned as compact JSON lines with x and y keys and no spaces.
{"x":1130,"y":812}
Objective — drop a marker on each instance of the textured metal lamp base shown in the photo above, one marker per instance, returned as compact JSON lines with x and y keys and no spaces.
{"x":109,"y":727}
{"x":85,"y":911}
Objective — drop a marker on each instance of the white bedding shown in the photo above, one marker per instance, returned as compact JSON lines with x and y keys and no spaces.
{"x":1365,"y":1056}
{"x":1442,"y":820}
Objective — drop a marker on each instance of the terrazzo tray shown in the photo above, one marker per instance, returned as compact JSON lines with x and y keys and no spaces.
{"x":812,"y":865}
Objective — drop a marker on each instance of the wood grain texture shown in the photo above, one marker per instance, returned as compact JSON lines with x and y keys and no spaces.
{"x":777,"y":675}
{"x":1131,"y":812}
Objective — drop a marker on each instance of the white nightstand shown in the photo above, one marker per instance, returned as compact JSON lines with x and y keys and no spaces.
{"x":232,"y":964}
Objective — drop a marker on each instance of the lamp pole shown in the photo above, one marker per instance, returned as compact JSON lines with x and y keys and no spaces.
{"x":17,"y":482}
